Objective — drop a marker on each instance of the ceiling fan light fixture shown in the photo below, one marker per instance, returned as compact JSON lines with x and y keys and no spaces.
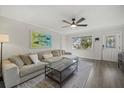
{"x":73,"y":25}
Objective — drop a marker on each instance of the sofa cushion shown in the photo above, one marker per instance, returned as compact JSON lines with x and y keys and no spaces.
{"x":26,"y":59}
{"x":53,"y":59}
{"x":28,"y":69}
{"x":63,"y":52}
{"x":40,"y":54}
{"x":56,"y":53}
{"x":34,"y":58}
{"x":70,"y":57}
{"x":46,"y":56}
{"x":17,"y":60}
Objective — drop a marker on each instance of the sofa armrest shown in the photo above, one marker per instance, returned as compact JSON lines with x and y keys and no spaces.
{"x":10,"y":72}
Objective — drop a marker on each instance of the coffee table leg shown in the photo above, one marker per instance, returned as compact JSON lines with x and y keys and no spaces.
{"x":77,"y":66}
{"x":45,"y":72}
{"x":60,"y":80}
{"x":60,"y":85}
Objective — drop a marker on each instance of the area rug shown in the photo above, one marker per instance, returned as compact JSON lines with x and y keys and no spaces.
{"x":77,"y":80}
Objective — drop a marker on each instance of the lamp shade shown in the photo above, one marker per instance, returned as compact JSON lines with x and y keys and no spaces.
{"x":4,"y":38}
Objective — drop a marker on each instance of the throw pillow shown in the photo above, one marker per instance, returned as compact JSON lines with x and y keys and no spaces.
{"x":40,"y":56}
{"x":56,"y":53}
{"x":17,"y":60}
{"x":26,"y":59}
{"x":34,"y":58}
{"x":63,"y":52}
{"x":45,"y":56}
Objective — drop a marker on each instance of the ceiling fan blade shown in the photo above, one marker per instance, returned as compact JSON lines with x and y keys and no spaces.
{"x":65,"y":26}
{"x":66,"y":22}
{"x":80,"y":20}
{"x":82,"y":25}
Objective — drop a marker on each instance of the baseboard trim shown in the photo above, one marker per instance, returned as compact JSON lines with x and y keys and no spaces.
{"x":95,"y":60}
{"x":88,"y":59}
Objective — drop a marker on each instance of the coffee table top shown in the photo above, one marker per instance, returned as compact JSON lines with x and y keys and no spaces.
{"x":61,"y":64}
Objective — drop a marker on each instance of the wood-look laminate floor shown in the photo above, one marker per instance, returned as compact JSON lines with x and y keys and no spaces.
{"x":105,"y":75}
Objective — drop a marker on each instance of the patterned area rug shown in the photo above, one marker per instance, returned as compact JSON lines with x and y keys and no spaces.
{"x":76,"y":80}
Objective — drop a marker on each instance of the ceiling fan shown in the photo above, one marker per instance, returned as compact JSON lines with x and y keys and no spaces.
{"x":74,"y":24}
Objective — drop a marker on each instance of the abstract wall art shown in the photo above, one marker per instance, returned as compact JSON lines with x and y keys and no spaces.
{"x":41,"y":40}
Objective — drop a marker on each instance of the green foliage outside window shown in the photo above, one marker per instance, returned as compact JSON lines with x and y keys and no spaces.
{"x":82,"y":42}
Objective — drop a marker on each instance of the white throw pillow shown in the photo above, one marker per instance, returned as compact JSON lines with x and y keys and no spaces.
{"x":45,"y":56}
{"x":34,"y":58}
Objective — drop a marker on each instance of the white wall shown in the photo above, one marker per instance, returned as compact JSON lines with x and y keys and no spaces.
{"x":95,"y":51}
{"x":19,"y":34}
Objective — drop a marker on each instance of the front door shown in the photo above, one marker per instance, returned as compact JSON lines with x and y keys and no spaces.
{"x":111,"y":47}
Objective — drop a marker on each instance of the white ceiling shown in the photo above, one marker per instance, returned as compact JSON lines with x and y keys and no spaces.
{"x":51,"y":16}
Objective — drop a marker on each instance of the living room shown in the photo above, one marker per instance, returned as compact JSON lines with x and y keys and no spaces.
{"x":87,"y":40}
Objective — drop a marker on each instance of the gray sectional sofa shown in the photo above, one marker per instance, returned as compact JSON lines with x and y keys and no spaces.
{"x":14,"y":74}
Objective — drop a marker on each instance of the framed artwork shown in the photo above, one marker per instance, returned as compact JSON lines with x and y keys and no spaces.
{"x":110,"y":42}
{"x":82,"y":42}
{"x":40,"y":40}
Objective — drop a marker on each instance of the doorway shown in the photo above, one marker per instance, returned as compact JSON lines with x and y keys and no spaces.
{"x":111,"y":46}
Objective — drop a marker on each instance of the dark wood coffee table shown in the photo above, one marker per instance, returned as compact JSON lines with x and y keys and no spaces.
{"x":59,"y":71}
